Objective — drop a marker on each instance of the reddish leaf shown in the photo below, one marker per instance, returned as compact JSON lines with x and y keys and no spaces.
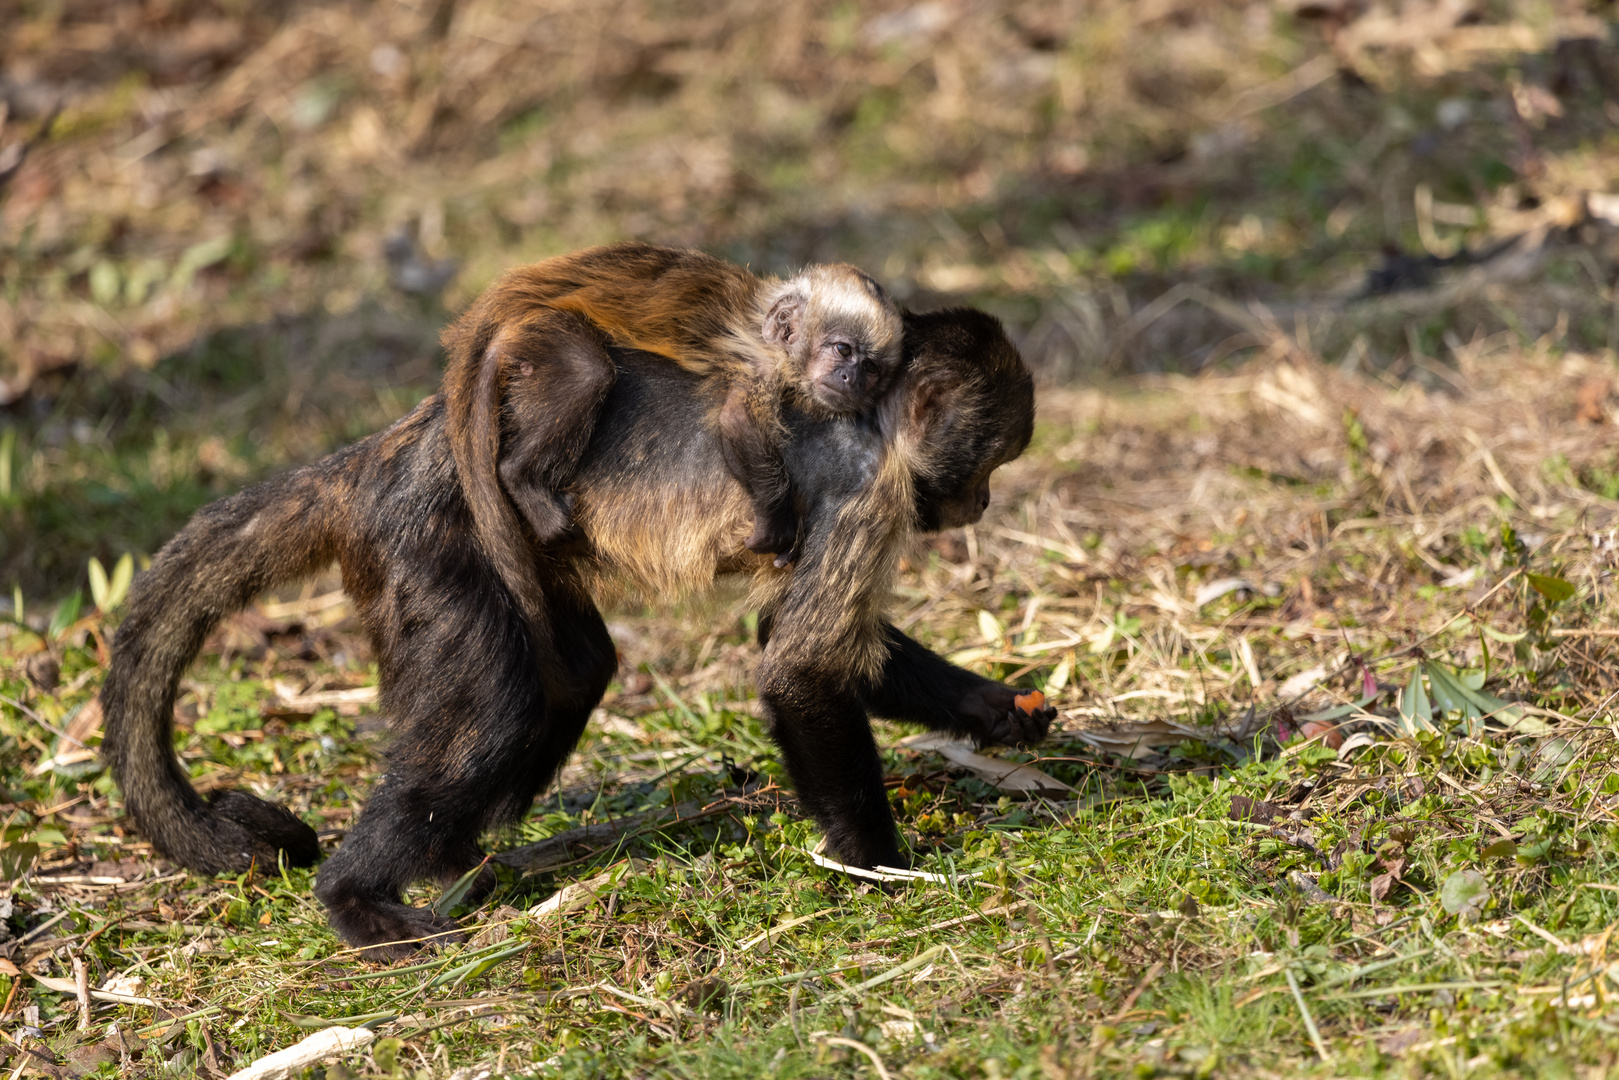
{"x":1381,"y":884}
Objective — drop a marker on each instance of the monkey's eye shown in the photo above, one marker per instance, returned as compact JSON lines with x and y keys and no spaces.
{"x":844,"y":349}
{"x":870,"y":368}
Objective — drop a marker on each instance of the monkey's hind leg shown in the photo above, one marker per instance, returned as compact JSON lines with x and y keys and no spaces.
{"x":481,"y":726}
{"x":749,"y":443}
{"x":558,"y":374}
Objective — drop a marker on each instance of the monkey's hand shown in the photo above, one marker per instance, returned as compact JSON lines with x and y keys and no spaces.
{"x":1003,"y":722}
{"x":919,"y":686}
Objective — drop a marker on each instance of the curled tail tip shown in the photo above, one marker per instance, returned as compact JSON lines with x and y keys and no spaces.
{"x":229,"y":834}
{"x":271,"y":826}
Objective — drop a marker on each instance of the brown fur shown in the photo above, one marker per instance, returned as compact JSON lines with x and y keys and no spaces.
{"x":524,"y":381}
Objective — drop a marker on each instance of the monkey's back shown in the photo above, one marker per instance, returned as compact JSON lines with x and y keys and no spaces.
{"x":659,"y":515}
{"x":685,"y":305}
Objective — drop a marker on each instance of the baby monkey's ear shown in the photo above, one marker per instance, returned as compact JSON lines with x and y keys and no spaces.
{"x":785,"y":317}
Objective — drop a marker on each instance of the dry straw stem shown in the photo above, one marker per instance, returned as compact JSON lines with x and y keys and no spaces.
{"x":334,"y":1042}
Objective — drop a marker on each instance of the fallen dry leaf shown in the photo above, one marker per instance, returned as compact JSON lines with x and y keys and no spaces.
{"x":1006,"y":775}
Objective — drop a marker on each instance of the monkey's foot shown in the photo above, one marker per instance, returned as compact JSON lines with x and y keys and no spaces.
{"x":774,"y":538}
{"x":1004,"y":724}
{"x":549,"y":514}
{"x":386,"y":930}
{"x":868,"y":852}
{"x":277,"y":833}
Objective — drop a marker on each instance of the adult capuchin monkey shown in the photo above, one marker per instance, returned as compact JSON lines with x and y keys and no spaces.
{"x":486,"y":700}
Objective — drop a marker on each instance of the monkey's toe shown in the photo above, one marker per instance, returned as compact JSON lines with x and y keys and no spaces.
{"x":403,"y":936}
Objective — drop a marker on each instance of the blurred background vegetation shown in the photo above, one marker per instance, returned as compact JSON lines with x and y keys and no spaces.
{"x":230,"y":231}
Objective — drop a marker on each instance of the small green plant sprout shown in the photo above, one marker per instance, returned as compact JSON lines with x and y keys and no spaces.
{"x":66,"y":614}
{"x":1459,"y":695}
{"x":1464,"y":894}
{"x":8,"y":452}
{"x":107,"y":592}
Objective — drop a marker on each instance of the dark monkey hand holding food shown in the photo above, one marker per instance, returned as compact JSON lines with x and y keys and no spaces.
{"x":488,"y":690}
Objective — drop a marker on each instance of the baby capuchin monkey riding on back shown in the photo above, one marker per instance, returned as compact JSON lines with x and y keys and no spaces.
{"x":529,"y":367}
{"x":832,"y":344}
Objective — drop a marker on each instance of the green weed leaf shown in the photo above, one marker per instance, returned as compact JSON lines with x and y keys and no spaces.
{"x":1554,"y":589}
{"x":66,"y":613}
{"x":385,"y":1055}
{"x":15,"y":859}
{"x":1464,"y":894}
{"x":1474,"y":705}
{"x":1338,"y":712}
{"x":122,"y":575}
{"x":1415,"y":711}
{"x":98,"y":583}
{"x":990,"y":628}
{"x":1452,"y":697}
{"x":105,"y":283}
{"x":457,"y":892}
{"x":1059,"y":676}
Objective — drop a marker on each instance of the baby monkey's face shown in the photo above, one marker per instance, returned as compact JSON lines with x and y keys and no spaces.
{"x":846,"y":373}
{"x":843,"y":337}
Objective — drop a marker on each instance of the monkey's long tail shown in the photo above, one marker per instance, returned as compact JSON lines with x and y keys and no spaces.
{"x":229,"y":553}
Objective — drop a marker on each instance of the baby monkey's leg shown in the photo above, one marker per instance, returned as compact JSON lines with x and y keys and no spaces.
{"x":558,"y":374}
{"x":750,"y":440}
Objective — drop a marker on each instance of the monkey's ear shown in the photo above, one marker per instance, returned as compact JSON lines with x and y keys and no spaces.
{"x":925,"y":404}
{"x":784,"y":317}
{"x":911,"y":407}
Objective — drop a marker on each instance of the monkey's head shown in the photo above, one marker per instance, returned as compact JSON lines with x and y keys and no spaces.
{"x":841,"y":333}
{"x":962,"y":407}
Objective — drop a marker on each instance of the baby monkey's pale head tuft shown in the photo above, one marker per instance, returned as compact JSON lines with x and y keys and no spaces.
{"x":841,"y":334}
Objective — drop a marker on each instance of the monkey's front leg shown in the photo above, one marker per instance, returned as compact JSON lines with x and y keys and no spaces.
{"x":828,"y":748}
{"x":922,"y":687}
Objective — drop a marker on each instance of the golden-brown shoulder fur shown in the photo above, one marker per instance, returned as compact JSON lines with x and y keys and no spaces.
{"x":676,"y":303}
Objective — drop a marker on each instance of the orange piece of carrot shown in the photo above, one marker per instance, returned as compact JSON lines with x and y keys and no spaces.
{"x":1030,"y":701}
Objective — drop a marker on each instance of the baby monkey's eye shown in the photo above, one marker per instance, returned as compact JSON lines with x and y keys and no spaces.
{"x":869,"y":367}
{"x":844,"y":349}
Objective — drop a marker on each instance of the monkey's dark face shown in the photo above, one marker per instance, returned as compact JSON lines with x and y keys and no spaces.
{"x":959,"y":494}
{"x":964,"y":507}
{"x":845,"y":374}
{"x":968,"y":400}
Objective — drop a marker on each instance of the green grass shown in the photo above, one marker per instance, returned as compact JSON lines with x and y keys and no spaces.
{"x":1441,"y":901}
